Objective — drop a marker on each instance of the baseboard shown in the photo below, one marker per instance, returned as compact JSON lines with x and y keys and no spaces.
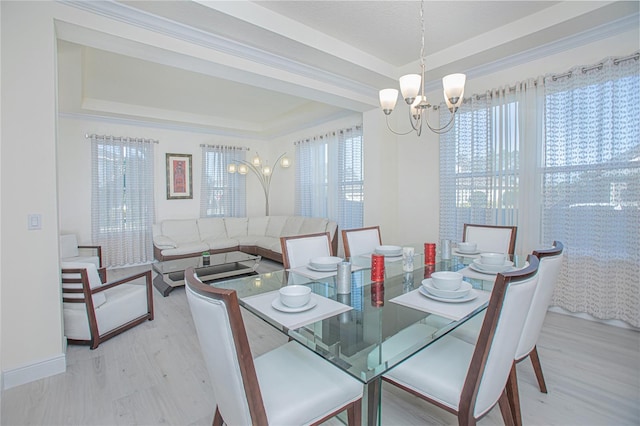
{"x":30,"y":373}
{"x":583,"y":315}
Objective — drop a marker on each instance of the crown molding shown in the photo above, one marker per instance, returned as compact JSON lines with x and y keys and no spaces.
{"x":161,"y":25}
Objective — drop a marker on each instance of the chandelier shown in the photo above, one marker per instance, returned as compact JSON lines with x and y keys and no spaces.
{"x":412,"y":88}
{"x":262,"y":170}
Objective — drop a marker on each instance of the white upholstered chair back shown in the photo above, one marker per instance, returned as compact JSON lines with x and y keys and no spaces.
{"x":498,"y":239}
{"x":548,"y":272}
{"x":515,"y":306}
{"x":360,"y":241}
{"x":298,"y":250}
{"x":213,"y":328}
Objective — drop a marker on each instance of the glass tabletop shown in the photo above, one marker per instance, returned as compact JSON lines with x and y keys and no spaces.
{"x":376,"y":334}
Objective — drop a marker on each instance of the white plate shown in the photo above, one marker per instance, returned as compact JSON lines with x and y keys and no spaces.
{"x":466,"y":253}
{"x":472,"y":295}
{"x":323,"y":269}
{"x":328,"y":263}
{"x":279,"y":306}
{"x":389,"y":250}
{"x":477,"y":265}
{"x":464,"y":289}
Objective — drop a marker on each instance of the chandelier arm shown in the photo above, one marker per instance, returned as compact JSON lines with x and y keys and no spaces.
{"x":393,"y":131}
{"x":445,"y":128}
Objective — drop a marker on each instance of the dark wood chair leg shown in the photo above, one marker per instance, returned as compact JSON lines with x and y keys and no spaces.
{"x":217,"y":418}
{"x":513,"y":396}
{"x":537,"y":368}
{"x":354,"y":413}
{"x":505,"y":408}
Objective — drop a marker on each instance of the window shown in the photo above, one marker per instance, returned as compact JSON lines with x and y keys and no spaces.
{"x":122,"y":199}
{"x":329,"y":177}
{"x":222,"y":193}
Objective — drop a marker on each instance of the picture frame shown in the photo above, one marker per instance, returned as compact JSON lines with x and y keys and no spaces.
{"x":179,"y":176}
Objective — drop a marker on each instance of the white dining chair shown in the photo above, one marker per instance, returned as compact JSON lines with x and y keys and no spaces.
{"x":548,"y":272}
{"x":360,"y":240}
{"x":297,"y":250}
{"x":491,"y":238}
{"x":465,"y":379}
{"x":289,"y":385}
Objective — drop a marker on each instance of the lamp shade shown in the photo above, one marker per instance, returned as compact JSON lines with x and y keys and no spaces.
{"x":231,"y":168}
{"x":243,"y":169}
{"x":454,"y":87}
{"x":388,"y":99}
{"x":284,"y":162}
{"x":256,"y":160}
{"x":410,"y":86}
{"x":266,"y":170}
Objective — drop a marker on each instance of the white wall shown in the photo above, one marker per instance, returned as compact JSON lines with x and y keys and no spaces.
{"x":74,"y":170}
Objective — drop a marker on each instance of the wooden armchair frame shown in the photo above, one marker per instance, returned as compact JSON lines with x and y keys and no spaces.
{"x":87,"y":299}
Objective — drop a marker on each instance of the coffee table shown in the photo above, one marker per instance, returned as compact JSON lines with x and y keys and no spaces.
{"x":222,"y":265}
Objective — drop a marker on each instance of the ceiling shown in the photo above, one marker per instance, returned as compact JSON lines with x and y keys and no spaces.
{"x":263,"y":69}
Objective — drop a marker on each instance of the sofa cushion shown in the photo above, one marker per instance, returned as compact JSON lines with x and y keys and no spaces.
{"x":313,"y":225}
{"x":181,"y":231}
{"x":236,"y":226}
{"x":212,"y":228}
{"x":258,"y":225}
{"x":164,"y":242}
{"x":186,"y":248}
{"x":222,"y":243}
{"x":292,"y":226}
{"x":276,"y":223}
{"x":270,"y":243}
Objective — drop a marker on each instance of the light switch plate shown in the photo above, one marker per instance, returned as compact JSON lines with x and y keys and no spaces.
{"x":34,"y":222}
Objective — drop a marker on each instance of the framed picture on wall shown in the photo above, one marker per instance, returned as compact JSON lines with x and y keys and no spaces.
{"x":179,"y":177}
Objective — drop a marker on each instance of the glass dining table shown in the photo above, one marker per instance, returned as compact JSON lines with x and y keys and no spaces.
{"x":375,"y":333}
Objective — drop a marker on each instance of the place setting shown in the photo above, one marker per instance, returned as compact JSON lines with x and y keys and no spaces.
{"x":294,"y":306}
{"x":321,"y":267}
{"x":466,"y":249}
{"x":445,"y":294}
{"x":390,"y":253}
{"x":488,"y":264}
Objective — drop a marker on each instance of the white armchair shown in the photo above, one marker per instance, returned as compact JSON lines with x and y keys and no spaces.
{"x":94,"y":312}
{"x":70,"y":251}
{"x":360,"y":241}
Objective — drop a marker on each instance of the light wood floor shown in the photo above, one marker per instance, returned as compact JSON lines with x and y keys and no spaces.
{"x":154,"y":374}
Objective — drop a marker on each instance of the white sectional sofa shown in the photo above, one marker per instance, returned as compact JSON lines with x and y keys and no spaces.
{"x":260,"y":235}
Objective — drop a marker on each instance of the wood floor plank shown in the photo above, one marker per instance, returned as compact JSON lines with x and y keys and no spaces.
{"x":155,"y":374}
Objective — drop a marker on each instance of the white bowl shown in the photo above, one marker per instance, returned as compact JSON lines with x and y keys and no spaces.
{"x":327,"y":263}
{"x":467,"y":247}
{"x":464,"y":289}
{"x":493,"y":258}
{"x":446,"y":280}
{"x":295,"y":296}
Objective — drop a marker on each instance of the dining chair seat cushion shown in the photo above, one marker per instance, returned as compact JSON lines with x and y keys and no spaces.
{"x":123,"y":303}
{"x":438,"y":371}
{"x":299,"y":387}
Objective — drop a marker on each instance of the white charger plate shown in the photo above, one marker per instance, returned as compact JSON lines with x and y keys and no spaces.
{"x":279,"y":306}
{"x":466,"y":253}
{"x":327,"y":263}
{"x":464,"y":289}
{"x":323,"y":269}
{"x":477,"y":265}
{"x":390,"y":251}
{"x":472,"y":295}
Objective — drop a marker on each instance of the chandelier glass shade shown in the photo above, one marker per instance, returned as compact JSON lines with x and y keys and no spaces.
{"x":412,"y":90}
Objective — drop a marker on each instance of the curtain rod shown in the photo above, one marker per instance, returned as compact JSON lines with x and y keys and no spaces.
{"x":242,"y":148}
{"x":330,"y":133}
{"x":120,"y":138}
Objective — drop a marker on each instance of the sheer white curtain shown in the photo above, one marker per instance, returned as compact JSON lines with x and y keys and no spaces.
{"x":481,"y":176}
{"x":329,"y":177}
{"x":122,"y":200}
{"x":591,"y":187}
{"x":222,"y":193}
